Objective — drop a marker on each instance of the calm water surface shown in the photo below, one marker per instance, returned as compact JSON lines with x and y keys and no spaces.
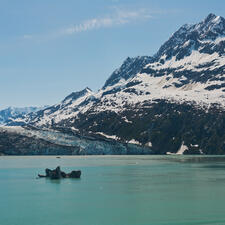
{"x":113,"y":190}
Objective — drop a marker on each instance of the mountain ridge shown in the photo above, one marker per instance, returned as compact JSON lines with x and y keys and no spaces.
{"x":174,"y":71}
{"x":147,"y":96}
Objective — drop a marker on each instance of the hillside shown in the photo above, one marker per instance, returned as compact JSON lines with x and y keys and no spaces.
{"x":172,"y":100}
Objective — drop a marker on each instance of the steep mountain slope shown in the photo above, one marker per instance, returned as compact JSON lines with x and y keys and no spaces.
{"x":66,"y":109}
{"x":169,"y":102}
{"x":129,"y":68}
{"x":79,"y":102}
{"x":189,"y":67}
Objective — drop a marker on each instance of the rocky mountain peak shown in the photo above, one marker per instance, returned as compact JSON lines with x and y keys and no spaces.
{"x":211,"y":27}
{"x":129,"y":68}
{"x":212,"y":19}
{"x":75,"y":95}
{"x":199,"y":37}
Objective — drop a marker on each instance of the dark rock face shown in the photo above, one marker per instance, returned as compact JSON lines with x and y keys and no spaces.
{"x":75,"y":95}
{"x":58,"y":174}
{"x":166,"y":125}
{"x":129,"y":68}
{"x":196,"y":37}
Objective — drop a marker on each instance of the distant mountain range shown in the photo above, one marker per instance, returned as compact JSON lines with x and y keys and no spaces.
{"x":12,"y":113}
{"x":172,"y":102}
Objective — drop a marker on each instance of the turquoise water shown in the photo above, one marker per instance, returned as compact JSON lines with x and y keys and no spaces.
{"x":113,"y":190}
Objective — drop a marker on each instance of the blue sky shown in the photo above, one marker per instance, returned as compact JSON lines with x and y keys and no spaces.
{"x":49,"y":49}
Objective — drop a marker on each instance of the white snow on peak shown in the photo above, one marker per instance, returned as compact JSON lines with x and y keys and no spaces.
{"x":65,"y":110}
{"x":190,"y":62}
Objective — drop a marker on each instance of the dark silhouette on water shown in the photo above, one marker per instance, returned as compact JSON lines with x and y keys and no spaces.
{"x":58,"y":174}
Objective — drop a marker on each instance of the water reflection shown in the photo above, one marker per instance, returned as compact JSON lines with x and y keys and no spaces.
{"x":53,"y":181}
{"x":214,"y":166}
{"x":195,"y":159}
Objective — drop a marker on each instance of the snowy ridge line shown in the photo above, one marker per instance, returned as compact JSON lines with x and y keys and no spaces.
{"x":188,"y":68}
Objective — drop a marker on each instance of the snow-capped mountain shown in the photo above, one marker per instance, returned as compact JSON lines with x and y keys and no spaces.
{"x":129,"y":68}
{"x":11,"y":113}
{"x":66,"y":109}
{"x":189,"y":67}
{"x":171,"y":101}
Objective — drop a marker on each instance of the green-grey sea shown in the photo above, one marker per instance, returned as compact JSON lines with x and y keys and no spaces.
{"x":113,"y":190}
